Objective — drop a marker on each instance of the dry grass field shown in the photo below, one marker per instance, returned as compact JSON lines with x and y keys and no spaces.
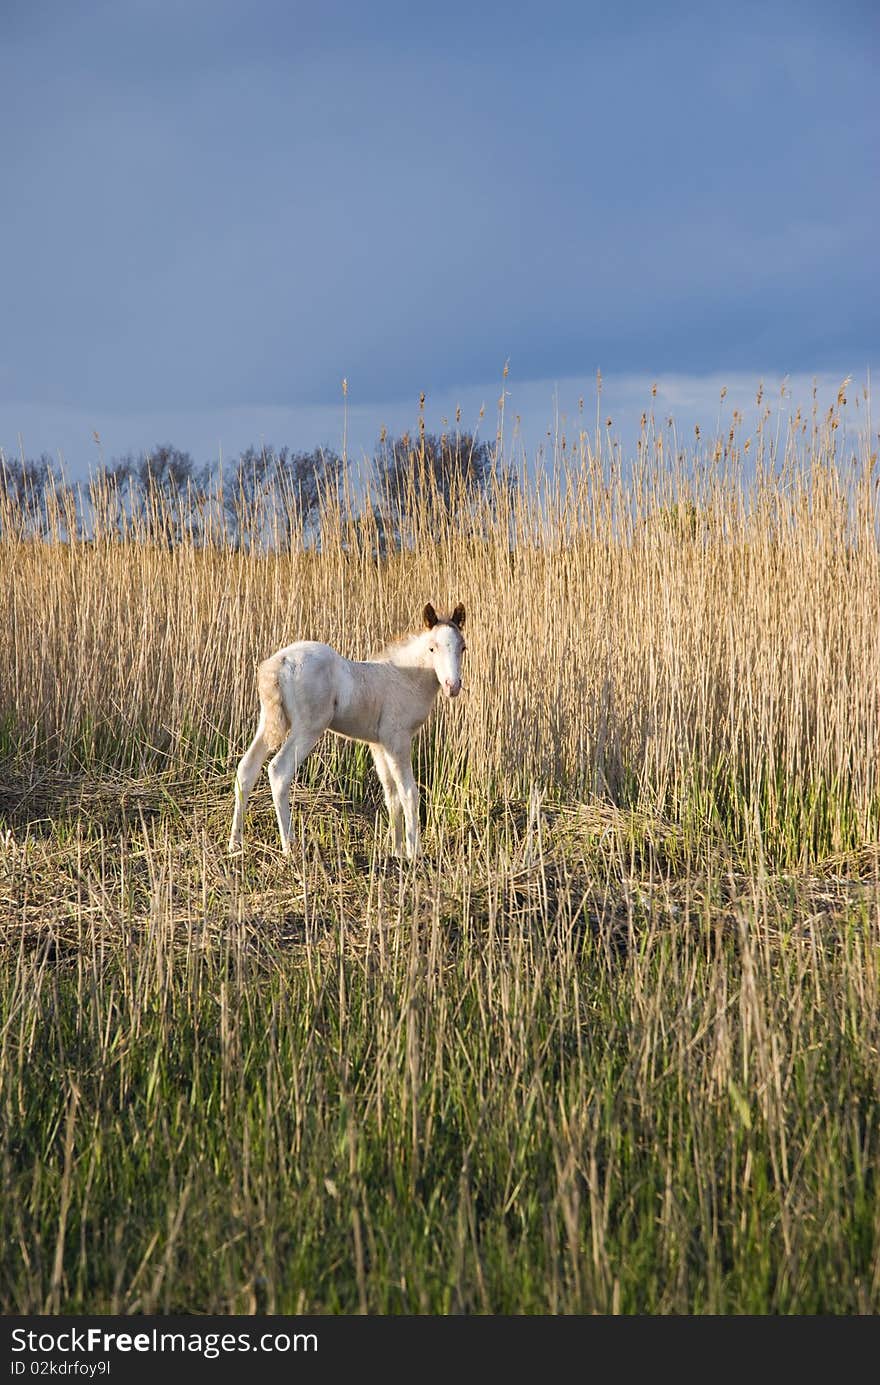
{"x":611,"y":1045}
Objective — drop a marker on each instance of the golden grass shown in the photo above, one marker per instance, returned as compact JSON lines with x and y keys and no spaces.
{"x":691,"y":637}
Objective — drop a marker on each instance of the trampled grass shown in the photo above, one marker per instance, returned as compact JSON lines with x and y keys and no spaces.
{"x":612,"y":1045}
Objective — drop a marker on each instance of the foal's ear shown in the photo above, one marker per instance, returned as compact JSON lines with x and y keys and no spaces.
{"x":458,"y":616}
{"x":430,"y":616}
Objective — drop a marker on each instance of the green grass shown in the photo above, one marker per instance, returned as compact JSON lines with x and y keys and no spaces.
{"x":554,"y":1069}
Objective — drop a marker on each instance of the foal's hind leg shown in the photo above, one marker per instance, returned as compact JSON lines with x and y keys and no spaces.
{"x":282,"y":769}
{"x":245,"y":778}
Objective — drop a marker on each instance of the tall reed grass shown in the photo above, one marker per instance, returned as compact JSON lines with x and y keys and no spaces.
{"x":689,"y":634}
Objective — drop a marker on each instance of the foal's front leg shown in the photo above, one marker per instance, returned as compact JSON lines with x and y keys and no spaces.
{"x":392,"y":802}
{"x":400,"y":763}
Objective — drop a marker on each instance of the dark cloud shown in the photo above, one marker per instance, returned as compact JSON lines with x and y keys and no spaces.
{"x":210,"y":205}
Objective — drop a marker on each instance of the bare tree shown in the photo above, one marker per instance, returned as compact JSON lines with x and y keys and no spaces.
{"x":167,"y":493}
{"x":275,"y":494}
{"x":439,"y":474}
{"x":27,"y":488}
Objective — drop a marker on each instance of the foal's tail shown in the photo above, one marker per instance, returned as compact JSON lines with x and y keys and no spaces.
{"x":276,"y":723}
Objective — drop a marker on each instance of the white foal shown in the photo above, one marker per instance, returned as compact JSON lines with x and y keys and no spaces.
{"x":307,"y":689}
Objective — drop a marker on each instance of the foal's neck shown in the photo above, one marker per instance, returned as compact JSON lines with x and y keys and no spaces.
{"x":410,"y":658}
{"x":408,"y":655}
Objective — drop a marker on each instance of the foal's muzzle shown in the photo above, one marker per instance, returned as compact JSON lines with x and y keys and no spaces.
{"x":452,"y":689}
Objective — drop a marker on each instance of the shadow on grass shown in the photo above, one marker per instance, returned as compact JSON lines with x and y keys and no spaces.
{"x":43,"y":800}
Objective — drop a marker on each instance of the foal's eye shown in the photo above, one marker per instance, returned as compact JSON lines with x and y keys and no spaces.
{"x":430,"y":649}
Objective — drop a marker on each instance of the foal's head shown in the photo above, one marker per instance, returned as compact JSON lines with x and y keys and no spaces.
{"x":445,"y":647}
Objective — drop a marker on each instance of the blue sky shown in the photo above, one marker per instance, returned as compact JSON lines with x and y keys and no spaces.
{"x":213,"y":212}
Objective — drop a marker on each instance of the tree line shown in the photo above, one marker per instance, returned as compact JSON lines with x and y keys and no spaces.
{"x":263,"y":498}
